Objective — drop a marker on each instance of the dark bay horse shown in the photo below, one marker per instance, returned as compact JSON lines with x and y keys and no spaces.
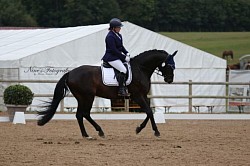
{"x":233,"y":66}
{"x":225,"y":54}
{"x":85,"y":82}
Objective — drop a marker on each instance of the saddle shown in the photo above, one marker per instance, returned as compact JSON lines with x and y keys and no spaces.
{"x":109,"y":74}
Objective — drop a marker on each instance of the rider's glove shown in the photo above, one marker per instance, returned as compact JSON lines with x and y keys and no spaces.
{"x":128,"y":54}
{"x":127,"y":59}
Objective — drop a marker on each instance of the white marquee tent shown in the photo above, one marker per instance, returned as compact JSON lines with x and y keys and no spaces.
{"x":45,"y":54}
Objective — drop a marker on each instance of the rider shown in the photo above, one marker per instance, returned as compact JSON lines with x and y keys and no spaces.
{"x":116,"y":54}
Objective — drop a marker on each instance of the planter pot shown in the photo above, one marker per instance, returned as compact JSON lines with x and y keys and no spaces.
{"x":11,"y":109}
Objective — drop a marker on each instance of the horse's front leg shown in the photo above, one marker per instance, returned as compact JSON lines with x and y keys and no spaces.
{"x":151,"y":117}
{"x":144,"y":104}
{"x":142,"y":126}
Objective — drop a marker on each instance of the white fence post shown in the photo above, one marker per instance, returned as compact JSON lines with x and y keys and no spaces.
{"x":126,"y":103}
{"x":190,"y":104}
{"x":62,"y":105}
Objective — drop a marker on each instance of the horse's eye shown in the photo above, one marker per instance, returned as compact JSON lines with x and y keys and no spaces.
{"x":163,"y":64}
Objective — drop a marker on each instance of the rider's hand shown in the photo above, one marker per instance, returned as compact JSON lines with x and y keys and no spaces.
{"x":127,"y":59}
{"x":128,"y":54}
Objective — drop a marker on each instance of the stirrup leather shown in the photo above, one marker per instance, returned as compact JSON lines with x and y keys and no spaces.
{"x":123,"y":92}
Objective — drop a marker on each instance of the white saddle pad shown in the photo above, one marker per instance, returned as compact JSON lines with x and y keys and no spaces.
{"x":109,"y":79}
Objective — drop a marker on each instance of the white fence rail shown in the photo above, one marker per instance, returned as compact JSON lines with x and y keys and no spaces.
{"x":189,"y":96}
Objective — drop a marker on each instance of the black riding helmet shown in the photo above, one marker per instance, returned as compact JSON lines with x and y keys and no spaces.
{"x":115,"y":22}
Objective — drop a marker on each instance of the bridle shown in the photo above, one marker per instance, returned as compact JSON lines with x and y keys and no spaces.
{"x":164,"y":64}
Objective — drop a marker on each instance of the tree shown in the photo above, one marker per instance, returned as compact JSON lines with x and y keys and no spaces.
{"x":13,"y":13}
{"x":158,"y":15}
{"x":141,"y":12}
{"x":103,"y":11}
{"x":48,"y":13}
{"x":76,"y":13}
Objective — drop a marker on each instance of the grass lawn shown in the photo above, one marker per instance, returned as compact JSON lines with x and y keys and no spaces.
{"x":215,"y":42}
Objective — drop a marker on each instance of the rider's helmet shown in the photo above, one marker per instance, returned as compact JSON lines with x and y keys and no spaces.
{"x":115,"y":22}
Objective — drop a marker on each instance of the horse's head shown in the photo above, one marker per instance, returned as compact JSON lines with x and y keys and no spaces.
{"x":167,"y":68}
{"x":149,"y":61}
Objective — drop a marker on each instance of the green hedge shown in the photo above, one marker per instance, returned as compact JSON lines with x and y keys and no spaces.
{"x":18,"y":95}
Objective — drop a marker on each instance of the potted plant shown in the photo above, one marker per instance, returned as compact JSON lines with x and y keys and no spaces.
{"x":17,"y":98}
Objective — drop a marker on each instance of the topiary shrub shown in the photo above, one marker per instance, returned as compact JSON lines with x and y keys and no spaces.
{"x":18,"y":95}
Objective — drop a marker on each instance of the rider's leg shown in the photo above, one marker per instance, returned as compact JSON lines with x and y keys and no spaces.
{"x":122,"y":85}
{"x":117,"y":64}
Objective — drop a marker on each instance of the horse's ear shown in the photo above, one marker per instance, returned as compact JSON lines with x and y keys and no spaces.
{"x":175,"y":53}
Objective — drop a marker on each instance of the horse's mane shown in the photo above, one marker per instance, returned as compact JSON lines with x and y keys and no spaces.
{"x":147,"y":53}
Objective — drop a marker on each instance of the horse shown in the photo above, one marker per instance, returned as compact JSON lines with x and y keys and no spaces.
{"x":225,"y":54}
{"x":233,"y":66}
{"x":85,"y":82}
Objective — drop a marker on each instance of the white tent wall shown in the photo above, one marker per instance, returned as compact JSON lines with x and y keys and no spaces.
{"x":9,"y":73}
{"x":191,"y":64}
{"x":46,"y":54}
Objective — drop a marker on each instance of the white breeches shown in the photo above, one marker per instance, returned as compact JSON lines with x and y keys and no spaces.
{"x":118,"y":65}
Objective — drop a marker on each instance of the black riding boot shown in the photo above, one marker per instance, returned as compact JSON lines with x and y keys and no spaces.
{"x":123,"y":91}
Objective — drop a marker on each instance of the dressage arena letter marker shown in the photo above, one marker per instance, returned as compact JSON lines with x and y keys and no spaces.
{"x":159,"y":117}
{"x":19,"y":118}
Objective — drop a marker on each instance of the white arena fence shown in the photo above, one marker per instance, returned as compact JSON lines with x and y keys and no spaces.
{"x":189,"y":96}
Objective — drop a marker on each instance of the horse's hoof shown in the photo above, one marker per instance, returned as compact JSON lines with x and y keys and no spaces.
{"x":157,"y":134}
{"x":138,"y":130}
{"x":101,"y":134}
{"x":90,"y":138}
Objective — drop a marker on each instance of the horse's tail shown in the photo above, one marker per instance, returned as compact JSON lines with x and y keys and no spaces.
{"x":59,"y":93}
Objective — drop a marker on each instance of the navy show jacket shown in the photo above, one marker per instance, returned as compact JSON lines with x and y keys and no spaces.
{"x":114,"y":47}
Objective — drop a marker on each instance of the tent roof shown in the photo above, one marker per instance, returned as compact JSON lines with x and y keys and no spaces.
{"x":16,"y":44}
{"x":55,"y":46}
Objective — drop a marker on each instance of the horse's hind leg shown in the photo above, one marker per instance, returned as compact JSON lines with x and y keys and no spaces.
{"x":97,"y":127}
{"x":79,"y":117}
{"x":83,"y":111}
